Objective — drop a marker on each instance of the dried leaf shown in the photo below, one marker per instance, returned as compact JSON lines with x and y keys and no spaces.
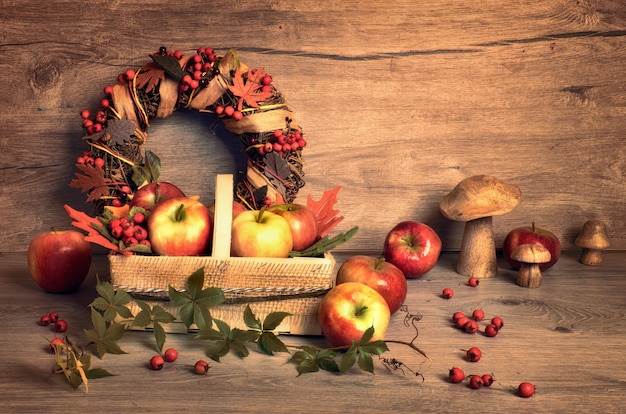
{"x":120,"y":130}
{"x":250,"y":90}
{"x":170,"y":65}
{"x":327,"y":216}
{"x":91,"y":226}
{"x":277,"y":165}
{"x":150,"y":75}
{"x":91,"y":180}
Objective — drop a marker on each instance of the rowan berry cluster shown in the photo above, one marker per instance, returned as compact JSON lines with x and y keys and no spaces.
{"x":130,"y":230}
{"x":283,"y":142}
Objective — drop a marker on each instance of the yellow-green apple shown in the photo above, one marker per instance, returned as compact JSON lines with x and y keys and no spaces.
{"x":302,"y":221}
{"x":375,"y":272}
{"x":59,"y":261}
{"x":260,"y":233}
{"x":348,"y":310}
{"x":531,"y":235}
{"x":413,"y":247}
{"x":153,"y":193}
{"x":179,"y":226}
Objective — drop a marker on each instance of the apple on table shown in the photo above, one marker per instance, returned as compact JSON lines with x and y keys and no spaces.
{"x":413,"y":247}
{"x":348,"y":310}
{"x":59,"y":261}
{"x":377,"y":273}
{"x":180,"y":226}
{"x":531,"y":235}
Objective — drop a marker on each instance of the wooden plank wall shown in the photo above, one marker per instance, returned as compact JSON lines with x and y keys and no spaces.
{"x":399,"y":103}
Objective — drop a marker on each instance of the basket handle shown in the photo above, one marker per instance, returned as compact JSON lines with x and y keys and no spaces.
{"x":223,"y":219}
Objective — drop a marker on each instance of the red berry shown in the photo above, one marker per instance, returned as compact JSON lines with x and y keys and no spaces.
{"x":491,"y":330}
{"x":229,"y":110}
{"x":60,"y":325}
{"x":108,"y":90}
{"x":457,"y":315}
{"x":129,"y":74}
{"x":487,"y":380}
{"x":55,"y":342}
{"x":105,"y":103}
{"x":44,"y":320}
{"x":237,"y":116}
{"x":201,"y":367}
{"x":266,"y":80}
{"x":85,"y":113}
{"x":99,"y":162}
{"x":497,"y":322}
{"x":219,"y":110}
{"x":471,"y":327}
{"x":178,"y":54}
{"x":53,"y":317}
{"x":268,"y":147}
{"x":473,"y":281}
{"x":447,"y":293}
{"x":478,"y":315}
{"x":117,"y":232}
{"x":170,"y":355}
{"x":461,"y":322}
{"x":125,"y":189}
{"x":456,"y":375}
{"x":278,"y":133}
{"x":474,"y":354}
{"x":116,"y":202}
{"x":156,"y":362}
{"x":526,"y":389}
{"x":476,"y":382}
{"x":139,"y":218}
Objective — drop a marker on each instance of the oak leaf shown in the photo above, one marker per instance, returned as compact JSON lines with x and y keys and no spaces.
{"x":150,"y":76}
{"x":92,"y":180}
{"x":249,"y":90}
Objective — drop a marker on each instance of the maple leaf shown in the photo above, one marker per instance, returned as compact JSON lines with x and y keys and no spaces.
{"x":121,"y":130}
{"x":327,"y":216}
{"x":249,"y":91}
{"x":93,"y":180}
{"x":150,"y":76}
{"x":94,"y":229}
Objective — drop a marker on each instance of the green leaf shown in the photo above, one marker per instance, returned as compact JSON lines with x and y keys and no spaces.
{"x":96,"y":373}
{"x":349,"y":358}
{"x":325,"y":244}
{"x":269,"y":343}
{"x":195,"y":302}
{"x":149,"y":171}
{"x":326,"y":360}
{"x":377,"y":347}
{"x":105,"y":337}
{"x":367,"y":336}
{"x":112,"y":303}
{"x":365,"y":362}
{"x":274,"y":319}
{"x":305,"y":362}
{"x":250,"y":319}
{"x":169,"y":64}
{"x":159,"y":335}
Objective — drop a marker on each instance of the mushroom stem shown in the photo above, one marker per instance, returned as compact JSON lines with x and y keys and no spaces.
{"x":591,"y":257}
{"x":529,"y":275}
{"x":477,"y":257}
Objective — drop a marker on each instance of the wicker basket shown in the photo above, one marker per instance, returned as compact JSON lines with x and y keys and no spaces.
{"x":294,"y":285}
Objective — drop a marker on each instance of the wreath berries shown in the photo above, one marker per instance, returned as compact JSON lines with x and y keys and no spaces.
{"x":115,"y":164}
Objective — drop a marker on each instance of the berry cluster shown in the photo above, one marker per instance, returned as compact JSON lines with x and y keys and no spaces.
{"x":88,"y":159}
{"x":282,"y":142}
{"x":131,"y":230}
{"x":99,"y":120}
{"x":457,"y":376}
{"x":157,"y":362}
{"x":58,"y":324}
{"x":469,"y":324}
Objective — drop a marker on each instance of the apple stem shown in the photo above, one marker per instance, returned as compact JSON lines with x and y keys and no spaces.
{"x":261,"y":211}
{"x":360,"y":310}
{"x":180,"y":213}
{"x":533,"y":226}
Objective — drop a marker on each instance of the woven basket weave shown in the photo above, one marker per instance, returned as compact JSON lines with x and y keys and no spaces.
{"x":294,"y":285}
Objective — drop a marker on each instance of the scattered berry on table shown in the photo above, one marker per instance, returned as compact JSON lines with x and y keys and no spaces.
{"x":156,"y":362}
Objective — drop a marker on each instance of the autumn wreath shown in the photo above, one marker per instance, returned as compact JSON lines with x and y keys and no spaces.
{"x":245,"y":99}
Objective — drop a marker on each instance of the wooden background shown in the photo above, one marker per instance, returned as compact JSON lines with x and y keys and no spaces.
{"x":399,"y":103}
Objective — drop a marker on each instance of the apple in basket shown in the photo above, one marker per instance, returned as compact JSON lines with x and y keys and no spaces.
{"x":260,"y":233}
{"x":302,"y":221}
{"x":59,"y":261}
{"x":179,"y":226}
{"x":153,"y":193}
{"x":348,"y":310}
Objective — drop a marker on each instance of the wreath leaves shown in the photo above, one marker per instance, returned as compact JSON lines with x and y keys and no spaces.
{"x":249,"y":91}
{"x":91,"y":180}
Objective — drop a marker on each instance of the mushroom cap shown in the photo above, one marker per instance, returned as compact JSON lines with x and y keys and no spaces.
{"x":480,"y":196}
{"x":531,"y":253}
{"x":593,"y":236}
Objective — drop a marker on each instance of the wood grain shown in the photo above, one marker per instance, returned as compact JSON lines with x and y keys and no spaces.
{"x":399,"y":104}
{"x":566,"y":337}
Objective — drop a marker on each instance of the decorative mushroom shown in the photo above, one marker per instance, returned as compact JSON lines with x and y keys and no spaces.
{"x":593,"y":238}
{"x":531,"y":256}
{"x":475,"y":200}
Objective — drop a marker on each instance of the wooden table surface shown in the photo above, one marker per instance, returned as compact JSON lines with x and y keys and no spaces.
{"x":567,"y":337}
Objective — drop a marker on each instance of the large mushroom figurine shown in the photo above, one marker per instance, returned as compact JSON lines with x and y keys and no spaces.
{"x":475,"y":200}
{"x":593,"y":238}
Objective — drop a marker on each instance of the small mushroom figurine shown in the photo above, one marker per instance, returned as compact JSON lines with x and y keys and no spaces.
{"x":530,"y":256}
{"x":475,"y":200}
{"x":593,"y":238}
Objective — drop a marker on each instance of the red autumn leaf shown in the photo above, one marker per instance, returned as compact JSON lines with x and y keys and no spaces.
{"x":327,"y":216}
{"x":249,"y":91}
{"x":89,"y":225}
{"x":150,"y":76}
{"x":92,"y":180}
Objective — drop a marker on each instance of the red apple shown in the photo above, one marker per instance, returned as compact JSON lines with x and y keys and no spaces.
{"x":59,"y":260}
{"x":260,"y":233}
{"x":179,"y":226}
{"x":531,"y":235}
{"x":382,"y":276}
{"x":302,"y":221}
{"x":413,"y":247}
{"x":152,"y":194}
{"x":348,"y":310}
